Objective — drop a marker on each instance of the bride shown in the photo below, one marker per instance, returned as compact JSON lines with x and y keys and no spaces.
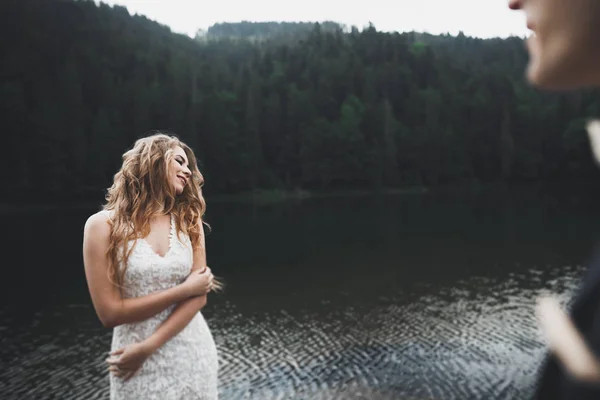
{"x":145,"y":264}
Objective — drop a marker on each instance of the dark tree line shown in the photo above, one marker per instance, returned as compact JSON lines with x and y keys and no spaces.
{"x":273,"y":105}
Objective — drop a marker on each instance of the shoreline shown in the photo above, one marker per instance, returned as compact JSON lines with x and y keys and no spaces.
{"x":274,"y":196}
{"x":257,"y":197}
{"x":279,"y":196}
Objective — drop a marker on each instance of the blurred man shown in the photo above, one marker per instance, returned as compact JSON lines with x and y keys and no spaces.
{"x":564,"y":51}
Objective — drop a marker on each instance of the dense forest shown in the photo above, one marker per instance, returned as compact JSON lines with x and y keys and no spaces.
{"x":273,"y":105}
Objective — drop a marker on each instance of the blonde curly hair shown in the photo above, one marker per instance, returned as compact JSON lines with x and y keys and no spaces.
{"x":139,"y":192}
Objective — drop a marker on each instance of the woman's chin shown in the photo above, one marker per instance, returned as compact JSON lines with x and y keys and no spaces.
{"x":178,"y":189}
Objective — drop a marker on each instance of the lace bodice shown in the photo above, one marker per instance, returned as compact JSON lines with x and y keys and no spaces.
{"x":148,"y":272}
{"x":186,"y":366}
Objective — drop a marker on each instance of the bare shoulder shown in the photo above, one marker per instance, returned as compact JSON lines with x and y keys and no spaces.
{"x":97,"y":226}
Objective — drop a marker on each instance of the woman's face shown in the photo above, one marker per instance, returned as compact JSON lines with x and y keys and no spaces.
{"x":564,"y":48}
{"x":179,"y":172}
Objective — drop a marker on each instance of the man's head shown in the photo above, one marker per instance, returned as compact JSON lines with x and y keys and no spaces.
{"x":564,"y":48}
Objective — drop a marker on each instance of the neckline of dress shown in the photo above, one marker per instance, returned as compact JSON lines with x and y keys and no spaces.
{"x":171,"y":235}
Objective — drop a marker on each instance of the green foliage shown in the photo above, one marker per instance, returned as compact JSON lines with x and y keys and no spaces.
{"x":306,"y":106}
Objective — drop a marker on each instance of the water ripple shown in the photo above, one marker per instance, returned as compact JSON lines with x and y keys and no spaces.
{"x":477,"y":339}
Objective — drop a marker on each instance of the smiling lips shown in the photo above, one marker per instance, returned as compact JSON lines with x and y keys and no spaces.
{"x":182,"y":180}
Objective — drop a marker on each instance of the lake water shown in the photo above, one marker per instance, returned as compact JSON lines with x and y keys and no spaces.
{"x":376,"y":297}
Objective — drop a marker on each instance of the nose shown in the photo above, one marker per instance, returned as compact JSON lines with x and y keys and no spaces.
{"x":515,"y":4}
{"x":187,"y":172}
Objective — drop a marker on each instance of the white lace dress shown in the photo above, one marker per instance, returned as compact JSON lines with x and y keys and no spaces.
{"x":186,"y":366}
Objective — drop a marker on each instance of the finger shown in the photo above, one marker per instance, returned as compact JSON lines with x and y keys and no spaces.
{"x":116,"y":371}
{"x":207,"y":270}
{"x":128,"y":375}
{"x":117,"y":352}
{"x":113,"y":360}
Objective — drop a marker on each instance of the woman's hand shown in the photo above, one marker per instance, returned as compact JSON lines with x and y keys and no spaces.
{"x":125,"y":362}
{"x":199,"y":283}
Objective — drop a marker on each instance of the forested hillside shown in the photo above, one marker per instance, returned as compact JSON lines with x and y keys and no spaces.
{"x":266,"y":30}
{"x":326,"y":108}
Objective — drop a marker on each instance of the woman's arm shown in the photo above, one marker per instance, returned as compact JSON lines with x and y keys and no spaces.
{"x":125,"y":362}
{"x":111,"y":308}
{"x":185,"y":311}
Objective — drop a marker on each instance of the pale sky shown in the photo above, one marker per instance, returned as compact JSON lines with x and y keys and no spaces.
{"x":481,"y":18}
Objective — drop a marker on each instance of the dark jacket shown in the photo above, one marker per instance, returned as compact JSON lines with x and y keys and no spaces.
{"x":553,"y":381}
